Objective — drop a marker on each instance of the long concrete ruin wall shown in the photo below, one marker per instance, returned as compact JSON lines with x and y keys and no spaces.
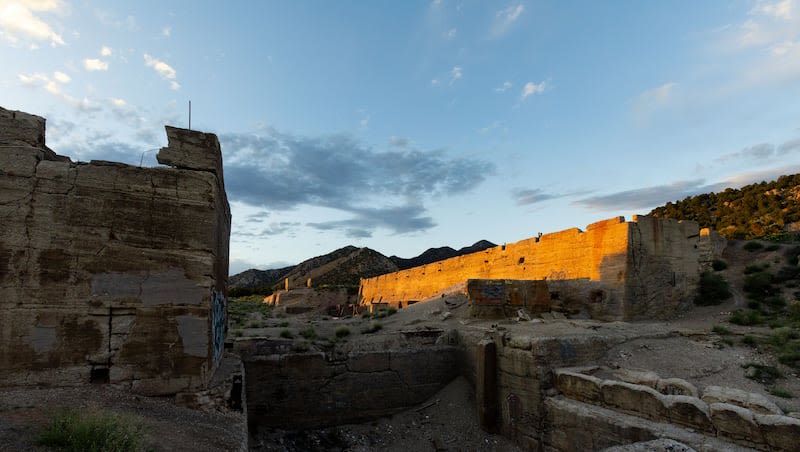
{"x":617,"y":269}
{"x":109,"y":272}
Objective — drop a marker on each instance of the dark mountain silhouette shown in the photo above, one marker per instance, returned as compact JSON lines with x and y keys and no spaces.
{"x":343,"y":267}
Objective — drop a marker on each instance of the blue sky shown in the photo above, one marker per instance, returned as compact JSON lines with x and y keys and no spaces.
{"x":406,"y":125}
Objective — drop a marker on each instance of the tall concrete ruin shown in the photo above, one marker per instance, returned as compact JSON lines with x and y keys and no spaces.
{"x":111,"y":273}
{"x":614,"y":270}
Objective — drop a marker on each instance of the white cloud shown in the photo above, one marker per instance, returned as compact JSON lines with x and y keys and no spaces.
{"x":505,"y":19}
{"x":435,"y":82}
{"x":105,"y":51}
{"x":93,"y":64}
{"x":455,"y":74}
{"x":451,"y":34}
{"x":166,"y":31}
{"x":17,"y":20}
{"x":780,"y":10}
{"x":531,"y":88}
{"x":61,"y":77}
{"x":504,"y":87}
{"x":118,"y":102}
{"x":163,"y":69}
{"x":659,"y":94}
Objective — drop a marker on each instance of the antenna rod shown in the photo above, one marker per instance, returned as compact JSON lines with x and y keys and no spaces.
{"x":190,"y":115}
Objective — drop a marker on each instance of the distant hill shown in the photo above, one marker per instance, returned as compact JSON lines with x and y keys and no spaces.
{"x":252,"y":281}
{"x":438,"y":254}
{"x":343,"y":267}
{"x":753,"y":211}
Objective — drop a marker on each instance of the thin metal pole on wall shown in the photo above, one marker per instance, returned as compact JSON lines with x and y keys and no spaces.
{"x":190,"y":115}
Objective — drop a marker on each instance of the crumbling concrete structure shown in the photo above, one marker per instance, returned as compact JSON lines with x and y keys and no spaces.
{"x":615,"y":270}
{"x":111,"y":273}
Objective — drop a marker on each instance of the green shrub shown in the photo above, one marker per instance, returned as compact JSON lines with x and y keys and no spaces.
{"x":286,"y":334}
{"x":775,"y":302}
{"x":753,"y":246}
{"x":712,"y":290}
{"x":300,"y":347}
{"x":94,"y":432}
{"x":719,"y":329}
{"x":786,"y":274}
{"x":782,"y":393}
{"x":792,"y":255}
{"x":749,"y":341}
{"x":719,"y":265}
{"x":375,"y":327}
{"x":745,"y":318}
{"x":772,"y":247}
{"x":342,"y":331}
{"x":759,"y":285}
{"x":755,"y":268}
{"x":762,"y":373}
{"x":790,"y":359}
{"x":283,"y":324}
{"x":309,"y":333}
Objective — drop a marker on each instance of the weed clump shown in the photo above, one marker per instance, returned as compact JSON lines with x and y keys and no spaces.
{"x":373,"y":328}
{"x":94,"y":432}
{"x":746,"y":318}
{"x":719,"y":329}
{"x":286,"y":334}
{"x":309,"y":333}
{"x":713,"y":290}
{"x":342,"y":331}
{"x":719,"y":265}
{"x":762,"y":373}
{"x":753,"y":246}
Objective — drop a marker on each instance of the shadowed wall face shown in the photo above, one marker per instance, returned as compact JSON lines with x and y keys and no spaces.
{"x":108,"y":272}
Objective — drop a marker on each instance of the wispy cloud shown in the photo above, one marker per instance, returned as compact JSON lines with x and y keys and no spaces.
{"x":532,"y":88}
{"x":399,"y":142}
{"x":380,"y":189}
{"x":647,"y":197}
{"x":782,"y":10}
{"x":451,"y":33}
{"x":505,"y":19}
{"x":528,"y":196}
{"x":105,"y":51}
{"x":760,"y":152}
{"x":455,"y":74}
{"x":654,"y":99}
{"x":94,"y":64}
{"x":166,"y":31}
{"x":654,"y":196}
{"x":18,"y":21}
{"x":504,"y":87}
{"x":280,"y":227}
{"x":61,"y":77}
{"x":163,"y":69}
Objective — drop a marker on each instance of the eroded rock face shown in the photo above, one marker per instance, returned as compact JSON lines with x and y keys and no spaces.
{"x":109,"y":272}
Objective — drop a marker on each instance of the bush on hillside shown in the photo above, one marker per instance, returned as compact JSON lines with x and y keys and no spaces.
{"x":712,"y":290}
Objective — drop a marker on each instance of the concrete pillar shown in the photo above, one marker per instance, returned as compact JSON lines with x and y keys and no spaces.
{"x":486,"y":386}
{"x":286,"y":284}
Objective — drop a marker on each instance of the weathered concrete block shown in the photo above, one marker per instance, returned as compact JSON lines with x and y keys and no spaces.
{"x":757,"y":403}
{"x":735,"y":422}
{"x":676,"y":386}
{"x":688,"y":411}
{"x":782,"y":433}
{"x":635,"y":399}
{"x":578,"y":386}
{"x":638,"y":377}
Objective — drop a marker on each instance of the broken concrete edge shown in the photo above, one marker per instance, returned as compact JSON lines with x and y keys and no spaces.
{"x":711,"y":415}
{"x":191,"y":149}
